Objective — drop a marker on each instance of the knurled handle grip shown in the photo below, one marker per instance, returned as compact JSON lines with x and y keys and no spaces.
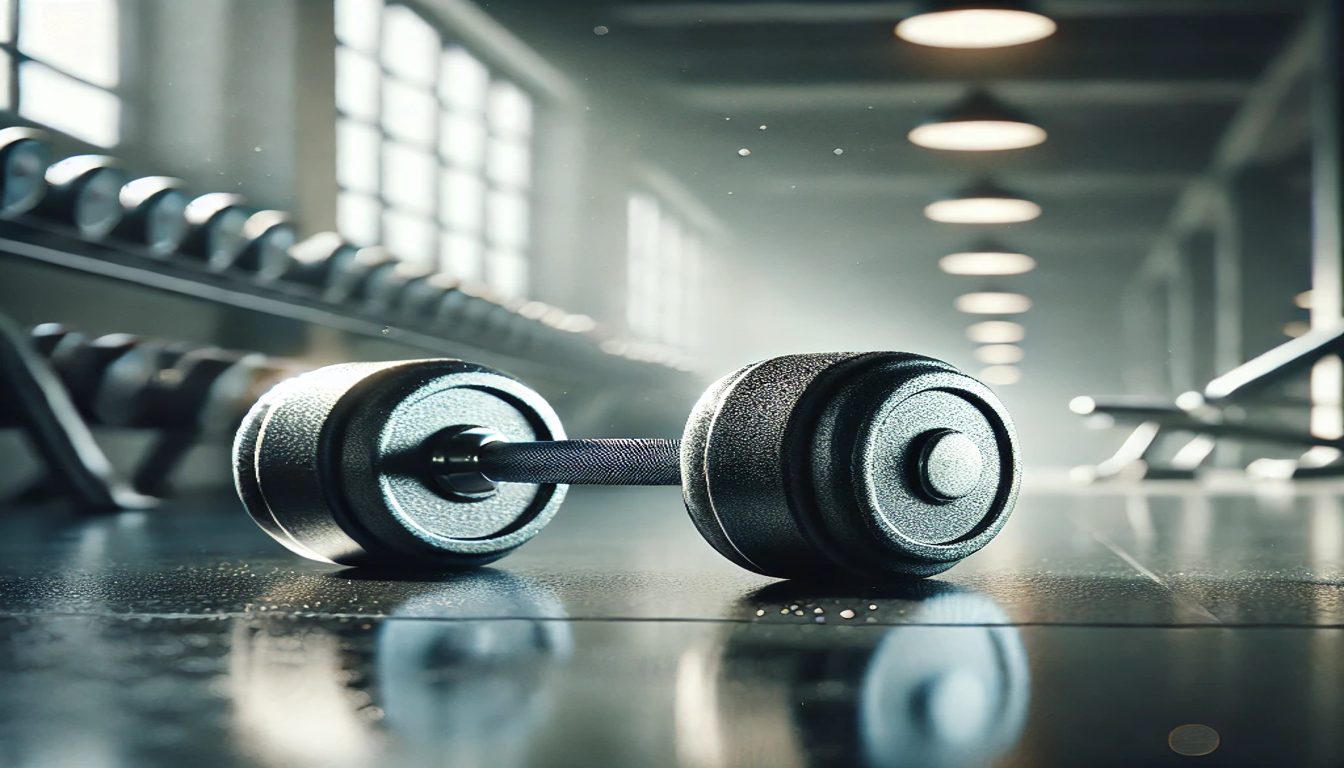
{"x":643,"y":461}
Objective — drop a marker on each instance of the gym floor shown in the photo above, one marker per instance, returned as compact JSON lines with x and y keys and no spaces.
{"x":1134,"y":625}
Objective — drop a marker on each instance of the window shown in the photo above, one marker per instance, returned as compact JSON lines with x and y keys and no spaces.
{"x":60,"y":66}
{"x":433,"y":148}
{"x":663,"y":273}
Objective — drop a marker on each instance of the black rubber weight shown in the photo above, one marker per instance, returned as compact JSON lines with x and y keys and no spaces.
{"x":585,"y":462}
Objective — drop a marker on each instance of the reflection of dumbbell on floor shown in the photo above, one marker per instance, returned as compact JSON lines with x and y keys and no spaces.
{"x":949,"y":685}
{"x":869,"y":465}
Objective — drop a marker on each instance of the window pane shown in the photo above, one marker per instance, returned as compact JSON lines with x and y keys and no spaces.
{"x":409,"y":111}
{"x":357,"y":217}
{"x":506,"y":219}
{"x":463,"y":81}
{"x":410,"y":45}
{"x":357,"y":84}
{"x":77,"y":36}
{"x":409,"y":237}
{"x":510,"y":110}
{"x":509,"y":163}
{"x":357,"y":148}
{"x":408,"y":178}
{"x":669,"y":281}
{"x":462,"y":201}
{"x":461,"y":255}
{"x":462,"y":140}
{"x":6,"y":66}
{"x":6,"y":15}
{"x":642,"y":287}
{"x":68,"y":105}
{"x":357,"y":23}
{"x":507,"y":273}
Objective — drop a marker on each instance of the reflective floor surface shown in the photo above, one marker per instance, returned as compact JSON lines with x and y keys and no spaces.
{"x":1116,"y":628}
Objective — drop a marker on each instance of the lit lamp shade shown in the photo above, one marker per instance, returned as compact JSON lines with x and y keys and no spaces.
{"x":1001,"y":375}
{"x":987,"y":259}
{"x":999,"y":354}
{"x":991,"y":303}
{"x":982,"y":203}
{"x":978,"y":123}
{"x":952,"y":24}
{"x":996,"y":332}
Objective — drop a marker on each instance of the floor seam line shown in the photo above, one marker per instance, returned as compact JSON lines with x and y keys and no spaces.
{"x":1133,"y":562}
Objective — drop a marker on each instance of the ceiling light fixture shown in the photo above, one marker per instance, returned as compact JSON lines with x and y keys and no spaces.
{"x":987,"y":258}
{"x":990,"y":303}
{"x":996,"y":332}
{"x":1001,"y":374}
{"x":978,"y":123}
{"x":961,"y":24}
{"x":982,"y":203}
{"x":999,"y":354}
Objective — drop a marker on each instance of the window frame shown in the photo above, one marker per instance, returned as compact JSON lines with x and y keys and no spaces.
{"x":694,"y":223}
{"x":461,"y":25}
{"x":13,"y":48}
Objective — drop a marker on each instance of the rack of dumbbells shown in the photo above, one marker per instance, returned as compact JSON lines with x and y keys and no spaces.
{"x":84,"y":213}
{"x":57,"y":383}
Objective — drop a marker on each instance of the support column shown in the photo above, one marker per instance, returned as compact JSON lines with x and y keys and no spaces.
{"x":1327,"y":280}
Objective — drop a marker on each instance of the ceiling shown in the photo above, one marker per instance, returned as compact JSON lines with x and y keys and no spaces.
{"x":832,"y":250}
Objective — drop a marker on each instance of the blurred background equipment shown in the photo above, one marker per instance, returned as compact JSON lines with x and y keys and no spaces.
{"x":61,"y":383}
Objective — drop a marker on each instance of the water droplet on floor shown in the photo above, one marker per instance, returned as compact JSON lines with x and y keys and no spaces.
{"x":600,"y":30}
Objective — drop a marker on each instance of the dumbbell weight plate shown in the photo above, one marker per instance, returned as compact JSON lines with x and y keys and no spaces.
{"x":269,"y":235}
{"x":848,"y":464}
{"x":24,"y":158}
{"x":85,"y":191}
{"x":332,"y":464}
{"x":155,"y":214}
{"x":216,"y":229}
{"x":349,"y":268}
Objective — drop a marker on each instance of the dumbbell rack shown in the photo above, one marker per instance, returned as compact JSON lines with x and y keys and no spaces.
{"x":580,"y":354}
{"x":83,"y":214}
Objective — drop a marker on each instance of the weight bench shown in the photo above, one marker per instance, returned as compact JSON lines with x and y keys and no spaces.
{"x":1209,"y":416}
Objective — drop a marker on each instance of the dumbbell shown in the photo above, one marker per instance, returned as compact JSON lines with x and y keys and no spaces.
{"x":155,"y":208}
{"x":269,"y":236}
{"x":85,"y":191}
{"x":215,"y":235}
{"x":24,"y":157}
{"x":844,"y":465}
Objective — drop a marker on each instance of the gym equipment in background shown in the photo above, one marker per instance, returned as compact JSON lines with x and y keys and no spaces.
{"x":1218,"y":413}
{"x":86,"y":213}
{"x":58,"y":383}
{"x":868,"y":465}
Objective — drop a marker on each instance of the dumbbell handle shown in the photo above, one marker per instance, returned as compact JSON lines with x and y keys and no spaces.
{"x":471,"y":460}
{"x":648,"y":461}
